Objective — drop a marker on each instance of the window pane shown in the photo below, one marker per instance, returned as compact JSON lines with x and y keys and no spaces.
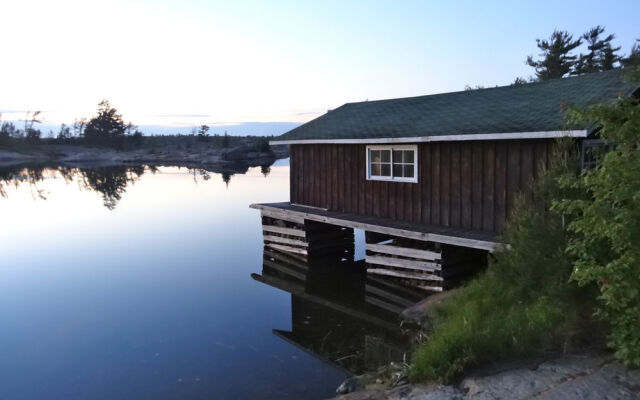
{"x":408,"y":156}
{"x":397,"y":170}
{"x":386,"y":155}
{"x":386,"y":170}
{"x":408,"y":171}
{"x":375,"y":169}
{"x":375,"y":155}
{"x":397,"y":156}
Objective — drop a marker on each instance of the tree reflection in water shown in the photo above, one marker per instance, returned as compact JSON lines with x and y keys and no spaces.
{"x":110,"y":182}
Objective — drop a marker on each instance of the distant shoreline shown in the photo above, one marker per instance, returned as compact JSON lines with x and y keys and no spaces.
{"x":76,"y":155}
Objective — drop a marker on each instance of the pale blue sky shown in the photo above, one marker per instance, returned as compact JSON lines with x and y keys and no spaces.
{"x":239,"y":61}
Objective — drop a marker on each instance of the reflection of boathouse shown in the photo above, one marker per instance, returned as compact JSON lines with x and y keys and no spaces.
{"x":427,"y":176}
{"x":337,"y":313}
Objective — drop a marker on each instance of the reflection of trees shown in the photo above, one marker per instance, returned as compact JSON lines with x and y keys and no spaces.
{"x":110,"y":182}
{"x":265,"y":169}
{"x":15,"y":177}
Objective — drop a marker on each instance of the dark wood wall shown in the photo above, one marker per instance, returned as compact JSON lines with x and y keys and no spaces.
{"x":466,"y":184}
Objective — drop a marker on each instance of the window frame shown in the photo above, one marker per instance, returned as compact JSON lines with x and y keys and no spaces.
{"x":595,"y":145}
{"x":391,"y":149}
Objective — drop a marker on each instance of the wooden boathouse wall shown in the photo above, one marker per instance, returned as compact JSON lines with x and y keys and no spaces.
{"x":463,"y":184}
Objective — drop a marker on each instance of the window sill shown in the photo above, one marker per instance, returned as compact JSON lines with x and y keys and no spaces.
{"x":383,"y":179}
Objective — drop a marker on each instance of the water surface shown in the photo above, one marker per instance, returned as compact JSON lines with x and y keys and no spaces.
{"x":138,"y":283}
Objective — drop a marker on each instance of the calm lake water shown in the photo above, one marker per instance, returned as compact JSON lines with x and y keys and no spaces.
{"x":132,"y":283}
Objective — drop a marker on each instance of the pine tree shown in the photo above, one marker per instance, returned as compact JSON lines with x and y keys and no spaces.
{"x":556,"y":59}
{"x":634,"y":56}
{"x":601,"y":56}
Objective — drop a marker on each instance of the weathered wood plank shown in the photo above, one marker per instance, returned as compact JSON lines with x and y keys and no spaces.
{"x":290,"y":249}
{"x":435,"y":183}
{"x":405,"y":275}
{"x":284,"y":231}
{"x":285,"y":216}
{"x":513,"y":174}
{"x":425,"y":181}
{"x":445,"y":184}
{"x":465,"y":186}
{"x":500,"y":186}
{"x":362,"y":179}
{"x":476,"y":186}
{"x":404,"y":251}
{"x":403,"y":263}
{"x":279,"y":239}
{"x":455,"y":192}
{"x":429,"y":288}
{"x":488,"y":187}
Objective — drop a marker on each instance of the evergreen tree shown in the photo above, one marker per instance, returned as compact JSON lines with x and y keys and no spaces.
{"x":634,"y":57}
{"x":601,"y":56}
{"x":106,"y":124}
{"x":556,"y":59}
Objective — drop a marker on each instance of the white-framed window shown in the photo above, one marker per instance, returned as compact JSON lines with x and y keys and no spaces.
{"x":392,"y":163}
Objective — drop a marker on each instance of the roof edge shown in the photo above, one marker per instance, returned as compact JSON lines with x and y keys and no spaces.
{"x":444,"y":138}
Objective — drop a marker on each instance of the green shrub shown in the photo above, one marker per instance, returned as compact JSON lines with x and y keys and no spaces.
{"x":523,"y":303}
{"x":605,"y":229}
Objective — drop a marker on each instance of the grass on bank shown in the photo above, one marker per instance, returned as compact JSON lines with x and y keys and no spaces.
{"x":524,"y":301}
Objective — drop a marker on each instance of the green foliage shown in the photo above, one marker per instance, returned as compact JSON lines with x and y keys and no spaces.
{"x":521,"y":303}
{"x":605,"y":227}
{"x":107,"y":127}
{"x":602,"y":56}
{"x":557,"y":60}
{"x":634,"y":56}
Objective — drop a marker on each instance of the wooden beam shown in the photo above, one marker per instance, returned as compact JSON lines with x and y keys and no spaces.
{"x":287,"y":248}
{"x":404,"y":251}
{"x":405,"y":275}
{"x":300,"y":217}
{"x":429,"y":288}
{"x":283,"y":215}
{"x":278,"y":239}
{"x":284,"y":231}
{"x":402,"y":263}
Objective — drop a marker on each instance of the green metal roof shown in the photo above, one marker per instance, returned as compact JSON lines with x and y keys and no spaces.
{"x":532,"y":107}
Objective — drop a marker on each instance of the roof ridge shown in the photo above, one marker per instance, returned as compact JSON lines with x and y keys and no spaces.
{"x":504,"y":87}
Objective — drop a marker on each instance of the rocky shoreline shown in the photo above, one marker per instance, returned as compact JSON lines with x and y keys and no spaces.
{"x":587,"y":374}
{"x":565,"y":378}
{"x":79,"y":156}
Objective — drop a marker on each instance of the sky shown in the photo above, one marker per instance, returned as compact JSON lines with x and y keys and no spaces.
{"x":264,"y":65}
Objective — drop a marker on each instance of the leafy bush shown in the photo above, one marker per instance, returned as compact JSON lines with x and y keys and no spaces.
{"x":605,"y":228}
{"x":523,"y":302}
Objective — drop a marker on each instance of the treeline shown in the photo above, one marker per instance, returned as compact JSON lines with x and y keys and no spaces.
{"x":107,"y":128}
{"x":563,"y":55}
{"x":558,"y":56}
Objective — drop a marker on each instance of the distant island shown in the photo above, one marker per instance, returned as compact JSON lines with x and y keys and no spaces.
{"x":106,"y":140}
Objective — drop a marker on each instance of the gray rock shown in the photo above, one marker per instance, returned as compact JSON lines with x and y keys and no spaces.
{"x":423,"y":311}
{"x":349,"y":385}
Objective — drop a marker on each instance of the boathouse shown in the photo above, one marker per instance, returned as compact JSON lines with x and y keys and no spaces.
{"x":426,"y":176}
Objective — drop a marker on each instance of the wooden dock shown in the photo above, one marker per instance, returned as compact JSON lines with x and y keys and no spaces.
{"x":430,"y":258}
{"x":431,"y":233}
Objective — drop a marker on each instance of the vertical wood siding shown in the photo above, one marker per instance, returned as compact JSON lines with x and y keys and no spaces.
{"x":467,"y":185}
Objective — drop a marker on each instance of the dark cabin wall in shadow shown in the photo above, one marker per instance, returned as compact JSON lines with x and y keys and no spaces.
{"x":464,"y":184}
